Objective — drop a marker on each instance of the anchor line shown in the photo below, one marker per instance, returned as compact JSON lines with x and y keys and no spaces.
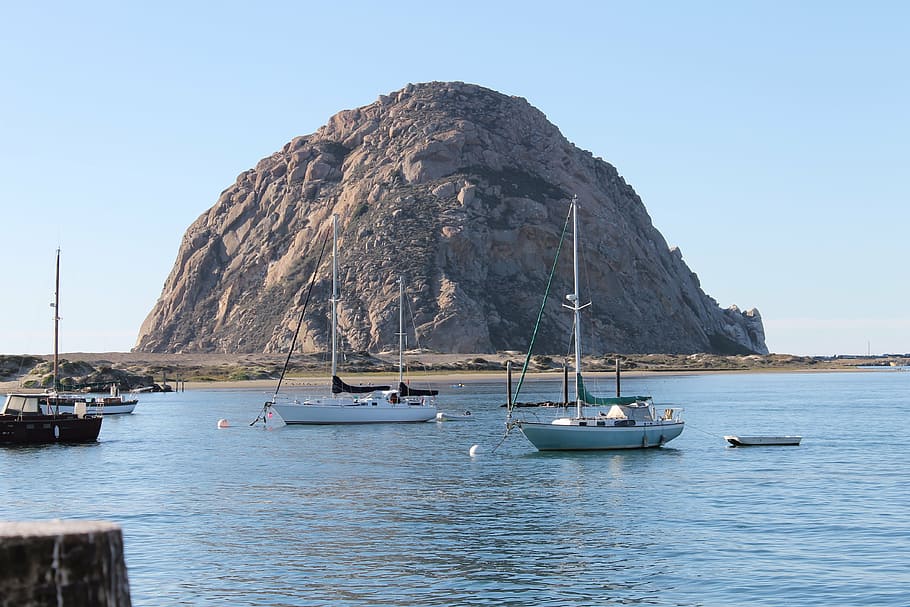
{"x":689,"y":425}
{"x":509,"y":427}
{"x":262,"y":413}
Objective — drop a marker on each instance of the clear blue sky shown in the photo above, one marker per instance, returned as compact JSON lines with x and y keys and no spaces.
{"x":769,"y":140}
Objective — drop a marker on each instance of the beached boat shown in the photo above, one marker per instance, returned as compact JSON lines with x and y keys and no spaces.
{"x":763,"y":441}
{"x":23,"y":419}
{"x":629,"y":422}
{"x":348,"y":404}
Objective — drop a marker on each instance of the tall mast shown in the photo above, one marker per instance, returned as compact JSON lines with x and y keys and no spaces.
{"x":334,"y":291}
{"x":576,"y":306}
{"x":400,"y":328}
{"x":56,"y":320}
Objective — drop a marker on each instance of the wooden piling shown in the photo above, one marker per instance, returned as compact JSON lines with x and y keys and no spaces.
{"x":73,"y":563}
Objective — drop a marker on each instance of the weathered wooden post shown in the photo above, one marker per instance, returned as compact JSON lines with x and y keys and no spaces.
{"x":70,"y":563}
{"x":618,"y":391}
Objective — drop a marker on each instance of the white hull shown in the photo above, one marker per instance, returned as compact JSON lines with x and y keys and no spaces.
{"x":360,"y":413}
{"x":758,"y":441}
{"x":574,"y":437}
{"x":442,"y":416}
{"x":97,"y":409}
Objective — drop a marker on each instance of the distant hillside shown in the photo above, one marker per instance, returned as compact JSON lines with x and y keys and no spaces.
{"x":463,"y":191}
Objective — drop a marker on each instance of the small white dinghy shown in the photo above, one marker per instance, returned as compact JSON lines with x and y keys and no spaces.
{"x":444,"y":416}
{"x":759,"y":441}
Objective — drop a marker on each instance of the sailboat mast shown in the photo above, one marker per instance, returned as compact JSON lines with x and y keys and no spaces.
{"x":56,"y":321}
{"x":576,"y":305}
{"x":400,"y":329}
{"x":334,"y":293}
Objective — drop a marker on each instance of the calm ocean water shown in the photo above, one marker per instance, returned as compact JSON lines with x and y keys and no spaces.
{"x":402,"y":515}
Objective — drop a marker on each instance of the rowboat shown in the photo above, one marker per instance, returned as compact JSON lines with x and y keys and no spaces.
{"x":762,"y":441}
{"x":445,"y":416}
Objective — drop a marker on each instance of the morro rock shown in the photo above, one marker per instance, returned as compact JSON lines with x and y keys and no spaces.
{"x":463,"y":192}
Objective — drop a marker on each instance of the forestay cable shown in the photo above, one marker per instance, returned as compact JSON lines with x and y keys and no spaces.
{"x":262,"y":414}
{"x":524,"y":367}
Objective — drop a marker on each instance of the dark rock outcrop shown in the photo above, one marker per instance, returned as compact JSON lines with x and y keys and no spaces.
{"x":463,"y":191}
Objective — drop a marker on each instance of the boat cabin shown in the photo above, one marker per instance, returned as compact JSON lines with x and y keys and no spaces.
{"x":638,"y":411}
{"x":392,"y":398}
{"x":25,"y":405}
{"x":22,"y":404}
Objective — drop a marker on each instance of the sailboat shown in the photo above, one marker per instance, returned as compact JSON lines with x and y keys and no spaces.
{"x":348,"y":404}
{"x":413,"y":396}
{"x":28,"y":419}
{"x":629,"y":422}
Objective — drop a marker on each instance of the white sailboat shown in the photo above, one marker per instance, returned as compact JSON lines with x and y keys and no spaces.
{"x":349,"y":404}
{"x":600,"y":422}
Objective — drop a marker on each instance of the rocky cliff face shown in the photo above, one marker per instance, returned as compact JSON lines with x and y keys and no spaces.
{"x":464,"y":192}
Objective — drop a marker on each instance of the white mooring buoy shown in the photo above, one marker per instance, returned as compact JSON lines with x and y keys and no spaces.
{"x":474,"y":450}
{"x":223,"y":423}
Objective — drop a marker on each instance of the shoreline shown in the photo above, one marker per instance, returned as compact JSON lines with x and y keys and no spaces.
{"x":196,"y":371}
{"x":437,"y":379}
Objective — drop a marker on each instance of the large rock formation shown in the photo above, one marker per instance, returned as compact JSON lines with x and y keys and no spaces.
{"x":464,"y":192}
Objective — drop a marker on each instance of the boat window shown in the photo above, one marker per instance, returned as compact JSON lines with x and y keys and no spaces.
{"x":21,"y":404}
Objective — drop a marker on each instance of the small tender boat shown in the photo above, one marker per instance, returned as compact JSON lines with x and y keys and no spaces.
{"x":444,"y":416}
{"x":759,"y":441}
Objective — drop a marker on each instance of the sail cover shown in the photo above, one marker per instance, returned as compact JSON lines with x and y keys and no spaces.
{"x":590,"y":399}
{"x":339,"y":386}
{"x":405,"y":390}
